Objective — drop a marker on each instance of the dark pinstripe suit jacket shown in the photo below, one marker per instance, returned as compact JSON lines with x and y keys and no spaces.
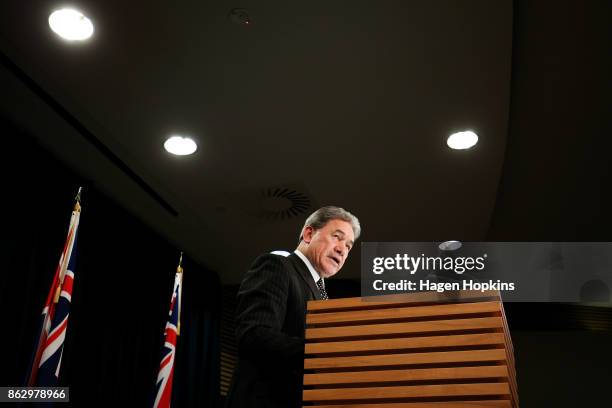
{"x":270,"y":323}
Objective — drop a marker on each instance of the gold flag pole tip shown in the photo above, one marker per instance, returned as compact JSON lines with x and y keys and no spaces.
{"x":77,"y":205}
{"x":179,"y":268}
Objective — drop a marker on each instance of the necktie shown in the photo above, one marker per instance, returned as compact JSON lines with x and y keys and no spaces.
{"x":322,"y":289}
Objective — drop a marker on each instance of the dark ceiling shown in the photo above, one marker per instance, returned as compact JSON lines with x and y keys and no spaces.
{"x":345,"y":103}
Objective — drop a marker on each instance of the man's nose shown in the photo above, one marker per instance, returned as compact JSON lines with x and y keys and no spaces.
{"x":340,"y":250}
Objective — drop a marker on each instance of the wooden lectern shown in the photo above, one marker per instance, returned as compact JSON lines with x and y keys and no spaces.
{"x":417,"y":350}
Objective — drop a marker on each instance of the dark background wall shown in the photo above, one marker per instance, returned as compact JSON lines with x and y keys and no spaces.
{"x":555,"y":186}
{"x":123,"y":285}
{"x":563,"y":368}
{"x":557,"y":172}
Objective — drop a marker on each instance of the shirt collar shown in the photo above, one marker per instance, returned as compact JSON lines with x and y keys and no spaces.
{"x":312,"y":270}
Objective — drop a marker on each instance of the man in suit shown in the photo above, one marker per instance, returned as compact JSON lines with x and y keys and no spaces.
{"x":271,"y":310}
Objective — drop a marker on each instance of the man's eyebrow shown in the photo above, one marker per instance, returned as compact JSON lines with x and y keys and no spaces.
{"x":343,"y":234}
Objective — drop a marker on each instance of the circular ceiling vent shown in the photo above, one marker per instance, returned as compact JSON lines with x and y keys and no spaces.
{"x":282,"y":203}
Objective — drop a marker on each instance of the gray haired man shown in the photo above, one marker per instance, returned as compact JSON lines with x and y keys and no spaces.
{"x":271,"y":310}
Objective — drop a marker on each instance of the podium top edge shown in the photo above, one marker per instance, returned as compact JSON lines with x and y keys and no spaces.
{"x":405,"y":298}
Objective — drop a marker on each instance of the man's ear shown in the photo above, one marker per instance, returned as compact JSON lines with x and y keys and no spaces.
{"x":307,"y":234}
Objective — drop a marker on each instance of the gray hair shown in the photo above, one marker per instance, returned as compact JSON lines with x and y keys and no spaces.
{"x":323,"y":215}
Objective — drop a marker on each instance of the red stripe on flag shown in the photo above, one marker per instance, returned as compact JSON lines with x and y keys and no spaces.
{"x":171,"y":335}
{"x":165,"y":361}
{"x":57,"y":332}
{"x":164,"y":401}
{"x":67,"y":285}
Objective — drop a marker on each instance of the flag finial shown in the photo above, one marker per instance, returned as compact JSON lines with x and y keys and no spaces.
{"x":179,"y":268}
{"x":77,"y":205}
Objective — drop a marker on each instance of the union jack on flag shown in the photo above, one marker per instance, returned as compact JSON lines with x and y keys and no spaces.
{"x":171,"y":332}
{"x":45,"y":367}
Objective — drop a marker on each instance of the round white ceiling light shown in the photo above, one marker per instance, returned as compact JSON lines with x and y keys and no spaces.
{"x":180,"y":146}
{"x":71,"y":24}
{"x":450,"y":245}
{"x":462,"y":140}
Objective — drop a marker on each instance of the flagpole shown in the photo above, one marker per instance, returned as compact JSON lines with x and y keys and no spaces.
{"x":53,"y":296}
{"x":77,"y":209}
{"x":78,"y":196}
{"x":163,"y":394}
{"x":179,"y":271}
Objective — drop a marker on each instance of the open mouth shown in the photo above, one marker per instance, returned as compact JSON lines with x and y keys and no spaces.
{"x":335,"y":260}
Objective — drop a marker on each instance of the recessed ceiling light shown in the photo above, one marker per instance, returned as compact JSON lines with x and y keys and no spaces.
{"x":462,"y":140}
{"x":71,"y":24}
{"x":180,"y":146}
{"x":450,"y":245}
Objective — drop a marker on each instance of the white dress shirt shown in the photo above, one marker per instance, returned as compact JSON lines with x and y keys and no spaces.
{"x":313,"y":272}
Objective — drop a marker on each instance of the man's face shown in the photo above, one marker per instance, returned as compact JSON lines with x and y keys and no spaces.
{"x":328,"y":247}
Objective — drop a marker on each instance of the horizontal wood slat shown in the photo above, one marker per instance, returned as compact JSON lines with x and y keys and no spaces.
{"x":402,"y":313}
{"x":405,"y":359}
{"x":401,"y":328}
{"x":445,"y":404}
{"x":399,"y":300}
{"x":421,"y":374}
{"x":375,"y":345}
{"x":422,"y":391}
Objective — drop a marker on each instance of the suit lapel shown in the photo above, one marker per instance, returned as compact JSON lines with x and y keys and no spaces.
{"x":304,"y":273}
